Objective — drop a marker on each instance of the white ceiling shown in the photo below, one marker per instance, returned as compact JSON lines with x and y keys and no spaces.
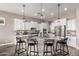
{"x":33,"y":8}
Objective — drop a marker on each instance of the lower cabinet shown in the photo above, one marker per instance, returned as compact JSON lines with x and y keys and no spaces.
{"x":71,"y":41}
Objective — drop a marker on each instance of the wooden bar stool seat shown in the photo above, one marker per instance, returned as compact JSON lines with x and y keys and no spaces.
{"x":63,"y":47}
{"x":48,"y":43}
{"x":32,"y":47}
{"x":20,"y":46}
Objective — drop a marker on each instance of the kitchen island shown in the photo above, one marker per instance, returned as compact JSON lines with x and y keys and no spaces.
{"x":40,"y":41}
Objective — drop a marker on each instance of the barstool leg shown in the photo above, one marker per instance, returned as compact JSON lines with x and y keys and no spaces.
{"x":51,"y":50}
{"x":34,"y":50}
{"x":60,"y":49}
{"x":15,"y":50}
{"x":56,"y":46}
{"x":19,"y":49}
{"x":44,"y":50}
{"x":63,"y":50}
{"x":30,"y":50}
{"x":37,"y":49}
{"x":27,"y":50}
{"x":67,"y":49}
{"x":22,"y":45}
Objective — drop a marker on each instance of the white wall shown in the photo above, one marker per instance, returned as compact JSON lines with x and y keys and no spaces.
{"x":7,"y":33}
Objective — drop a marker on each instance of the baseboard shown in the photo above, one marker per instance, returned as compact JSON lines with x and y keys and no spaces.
{"x":12,"y":43}
{"x":77,"y":48}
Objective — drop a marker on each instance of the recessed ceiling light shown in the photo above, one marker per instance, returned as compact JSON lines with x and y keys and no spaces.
{"x":51,"y":14}
{"x":43,"y":10}
{"x":65,"y":9}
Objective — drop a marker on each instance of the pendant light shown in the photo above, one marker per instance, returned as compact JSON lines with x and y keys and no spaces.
{"x":24,"y":11}
{"x":58,"y":11}
{"x":41,"y":14}
{"x":23,"y":14}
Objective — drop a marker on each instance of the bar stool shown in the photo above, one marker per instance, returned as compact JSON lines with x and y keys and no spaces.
{"x":20,"y":46}
{"x":32,"y":44}
{"x":48,"y":43}
{"x":63,"y":46}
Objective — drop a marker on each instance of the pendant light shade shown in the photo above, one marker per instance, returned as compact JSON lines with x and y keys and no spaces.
{"x":58,"y":10}
{"x":24,"y":11}
{"x":41,"y":14}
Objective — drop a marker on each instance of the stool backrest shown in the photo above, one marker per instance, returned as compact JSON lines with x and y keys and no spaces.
{"x":65,"y":39}
{"x":18,"y":39}
{"x":49,"y":41}
{"x":32,"y":40}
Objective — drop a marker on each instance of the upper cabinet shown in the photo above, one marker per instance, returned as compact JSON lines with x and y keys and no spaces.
{"x":18,"y":24}
{"x":57,"y":23}
{"x":29,"y":25}
{"x":21,"y":25}
{"x":71,"y":24}
{"x":43,"y":26}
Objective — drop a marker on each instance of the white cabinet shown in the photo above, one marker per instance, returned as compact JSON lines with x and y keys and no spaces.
{"x":21,"y":25}
{"x":59,"y":22}
{"x":34,"y":25}
{"x":27,"y":25}
{"x":71,"y":26}
{"x":18,"y":24}
{"x":43,"y":26}
{"x":72,"y":41}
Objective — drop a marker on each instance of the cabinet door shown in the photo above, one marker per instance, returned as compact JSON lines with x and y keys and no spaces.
{"x":27,"y":25}
{"x":72,"y":41}
{"x":18,"y":24}
{"x":71,"y":24}
{"x":43,"y":25}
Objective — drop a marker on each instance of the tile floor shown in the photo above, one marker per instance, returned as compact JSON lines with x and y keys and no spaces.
{"x":9,"y":51}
